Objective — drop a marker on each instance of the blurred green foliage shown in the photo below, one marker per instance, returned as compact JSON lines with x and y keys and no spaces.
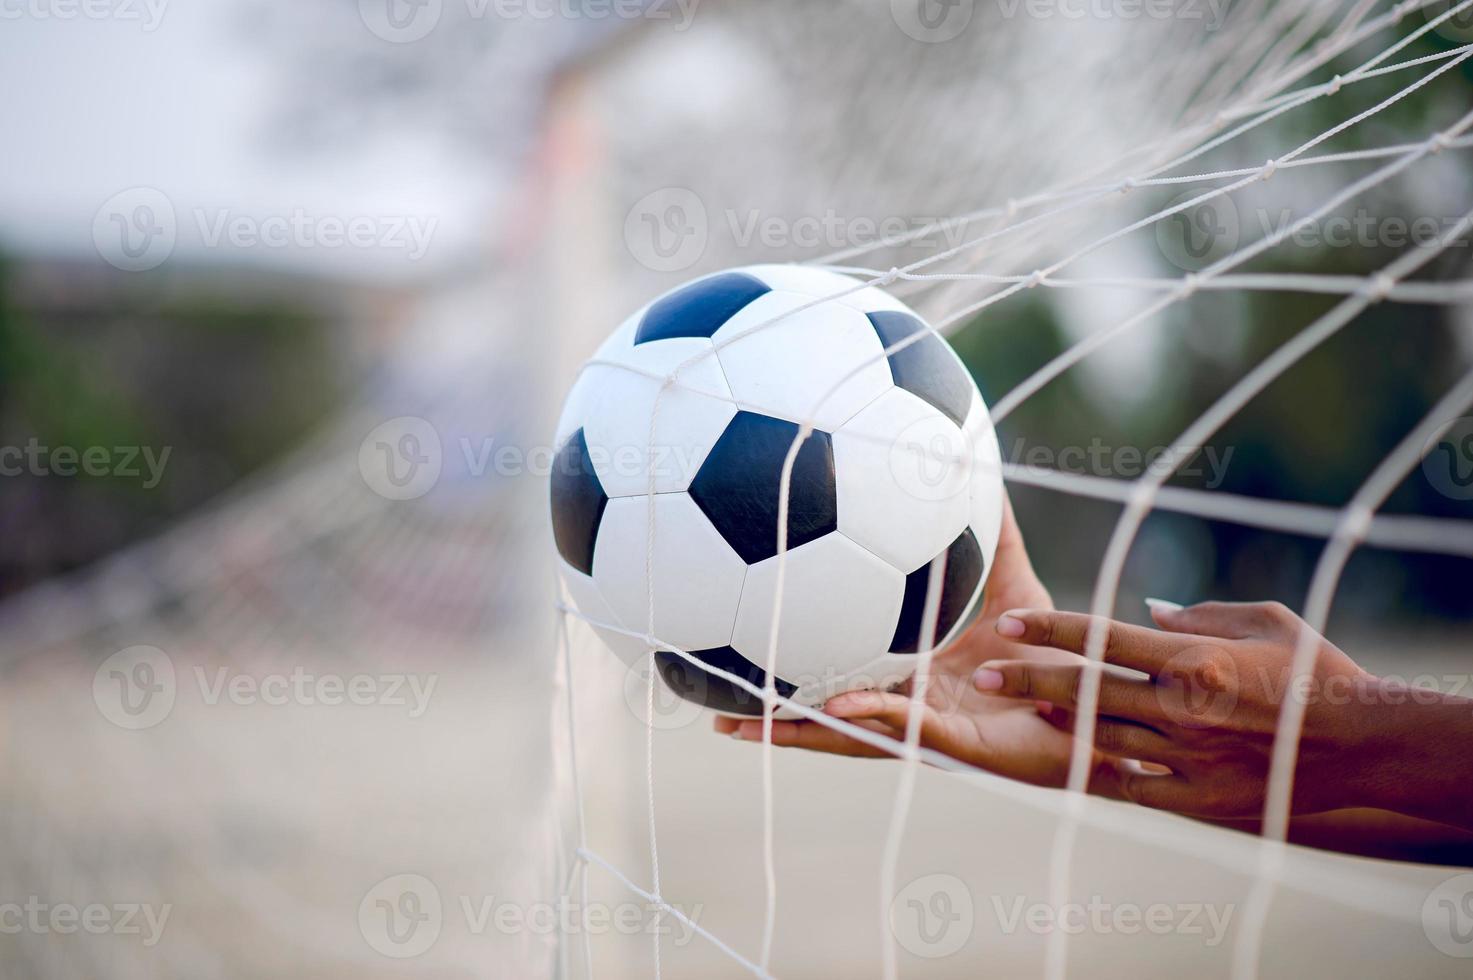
{"x":1312,"y":436}
{"x":211,"y":389}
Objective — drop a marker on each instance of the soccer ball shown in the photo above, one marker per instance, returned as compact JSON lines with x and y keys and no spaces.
{"x":670,"y":452}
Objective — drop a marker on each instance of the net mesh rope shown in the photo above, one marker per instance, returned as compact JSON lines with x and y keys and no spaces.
{"x":1270,"y":95}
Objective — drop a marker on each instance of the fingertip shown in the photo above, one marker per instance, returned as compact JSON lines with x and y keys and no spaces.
{"x":1010,"y":624}
{"x":851,"y":704}
{"x":988,"y":679}
{"x":1163,"y":607}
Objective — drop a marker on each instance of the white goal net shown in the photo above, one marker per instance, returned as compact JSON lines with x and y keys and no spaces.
{"x":1140,"y":222}
{"x":1150,"y":176}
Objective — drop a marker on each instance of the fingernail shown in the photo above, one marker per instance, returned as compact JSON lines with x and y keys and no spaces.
{"x":988,"y":679}
{"x":1163,"y":605}
{"x":737,"y":734}
{"x":1009,"y":625}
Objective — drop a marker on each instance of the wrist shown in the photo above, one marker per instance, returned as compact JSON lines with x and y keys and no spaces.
{"x":1415,"y":749}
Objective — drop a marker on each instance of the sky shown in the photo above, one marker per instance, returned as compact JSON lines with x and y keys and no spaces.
{"x":176,"y":99}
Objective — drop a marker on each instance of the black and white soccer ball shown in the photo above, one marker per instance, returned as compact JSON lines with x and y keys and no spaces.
{"x":685,"y":416}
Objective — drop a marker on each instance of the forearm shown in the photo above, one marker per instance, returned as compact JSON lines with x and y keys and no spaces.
{"x":1417,"y":754}
{"x":1376,"y":834}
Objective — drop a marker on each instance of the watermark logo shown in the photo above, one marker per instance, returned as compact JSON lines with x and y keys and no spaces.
{"x":932,"y":21}
{"x":136,"y":229}
{"x":401,"y":459}
{"x":667,"y":230}
{"x":930,"y":459}
{"x":1458,"y":27}
{"x":933,"y":916}
{"x":1447,"y":461}
{"x":674,"y":706}
{"x":1198,"y":687}
{"x":400,"y":21}
{"x":1447,"y":917}
{"x":1200,"y":234}
{"x":401,"y":916}
{"x":135,"y":688}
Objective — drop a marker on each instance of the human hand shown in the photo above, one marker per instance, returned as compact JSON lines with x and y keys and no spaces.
{"x":1208,"y":708}
{"x":1000,"y":734}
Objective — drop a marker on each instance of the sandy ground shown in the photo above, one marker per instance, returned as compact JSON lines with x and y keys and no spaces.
{"x":267,"y":830}
{"x":832,"y":817}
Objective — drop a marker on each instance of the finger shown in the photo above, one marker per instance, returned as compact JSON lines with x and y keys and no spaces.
{"x":1132,"y":741}
{"x":812,"y":736}
{"x":1156,"y":790}
{"x":726,"y":725}
{"x":1228,"y":620}
{"x":1060,"y":684}
{"x":886,"y":707}
{"x":1119,"y":737}
{"x":1012,"y":579}
{"x":1129,"y":646}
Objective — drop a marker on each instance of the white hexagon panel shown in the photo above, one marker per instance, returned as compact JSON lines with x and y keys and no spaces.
{"x":904,"y":472}
{"x":697,"y":576}
{"x":823,"y":362}
{"x":823,"y":284}
{"x":986,"y":488}
{"x":840,"y":607}
{"x":630,"y":403}
{"x":589,"y":602}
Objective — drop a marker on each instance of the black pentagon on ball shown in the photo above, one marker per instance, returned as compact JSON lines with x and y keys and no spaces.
{"x":578,"y":502}
{"x":694,"y":684}
{"x":963,"y":571}
{"x":926,"y":368}
{"x":699,"y":310}
{"x":739,"y":485}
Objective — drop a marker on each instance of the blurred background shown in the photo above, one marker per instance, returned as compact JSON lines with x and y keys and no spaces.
{"x":288,"y":298}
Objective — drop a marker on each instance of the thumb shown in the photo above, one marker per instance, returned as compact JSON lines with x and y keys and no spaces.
{"x":1012,"y":583}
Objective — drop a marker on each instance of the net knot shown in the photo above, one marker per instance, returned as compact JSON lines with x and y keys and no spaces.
{"x":1357,"y":522}
{"x":1035,"y":279}
{"x":1381,"y":285}
{"x":889,"y":277}
{"x":1269,"y":169}
{"x":1334,"y":85}
{"x":1189,"y":284}
{"x":1439,"y":142}
{"x":1128,"y":184}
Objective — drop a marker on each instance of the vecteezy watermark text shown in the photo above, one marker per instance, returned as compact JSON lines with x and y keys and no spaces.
{"x":403,"y":915}
{"x":143,"y":463}
{"x":1129,"y":462}
{"x":41,"y":918}
{"x":137,"y":688}
{"x":139,"y":228}
{"x":148,"y":14}
{"x":406,"y":21}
